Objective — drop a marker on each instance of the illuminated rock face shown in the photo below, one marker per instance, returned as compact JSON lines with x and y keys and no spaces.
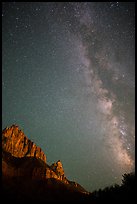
{"x":24,"y":164}
{"x":47,"y":173}
{"x":57,"y":167}
{"x":18,"y":146}
{"x":15,"y":142}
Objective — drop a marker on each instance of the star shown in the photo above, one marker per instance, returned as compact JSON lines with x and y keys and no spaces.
{"x":68,"y":78}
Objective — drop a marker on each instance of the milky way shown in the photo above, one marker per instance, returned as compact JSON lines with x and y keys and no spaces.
{"x":68,"y":80}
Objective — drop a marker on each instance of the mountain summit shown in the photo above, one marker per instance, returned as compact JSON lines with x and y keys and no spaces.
{"x":24,"y":166}
{"x":18,"y":145}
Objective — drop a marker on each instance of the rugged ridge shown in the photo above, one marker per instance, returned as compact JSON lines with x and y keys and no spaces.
{"x":21,"y":158}
{"x":15,"y":142}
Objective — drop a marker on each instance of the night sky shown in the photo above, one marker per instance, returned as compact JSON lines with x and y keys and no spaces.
{"x":68,"y":81}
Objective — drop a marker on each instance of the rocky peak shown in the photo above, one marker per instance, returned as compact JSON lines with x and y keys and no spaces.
{"x":58,"y":168}
{"x":15,"y":142}
{"x":25,"y":162}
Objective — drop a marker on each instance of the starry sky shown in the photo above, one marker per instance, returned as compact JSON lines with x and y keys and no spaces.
{"x":68,"y":81}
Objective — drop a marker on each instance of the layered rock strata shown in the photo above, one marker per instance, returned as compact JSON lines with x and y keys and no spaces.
{"x":15,"y":142}
{"x":21,"y":157}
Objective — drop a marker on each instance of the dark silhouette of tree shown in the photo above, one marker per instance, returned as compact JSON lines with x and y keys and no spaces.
{"x":124,"y":193}
{"x":128,"y":186}
{"x":129,"y":179}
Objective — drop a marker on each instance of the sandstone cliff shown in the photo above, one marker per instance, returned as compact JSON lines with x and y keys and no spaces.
{"x":22,"y":157}
{"x":15,"y":142}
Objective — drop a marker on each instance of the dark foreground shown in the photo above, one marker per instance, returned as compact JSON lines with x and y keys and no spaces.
{"x":30,"y":191}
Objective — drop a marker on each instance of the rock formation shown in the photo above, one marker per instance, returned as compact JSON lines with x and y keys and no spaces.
{"x":22,"y":158}
{"x":15,"y":142}
{"x":27,"y":177}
